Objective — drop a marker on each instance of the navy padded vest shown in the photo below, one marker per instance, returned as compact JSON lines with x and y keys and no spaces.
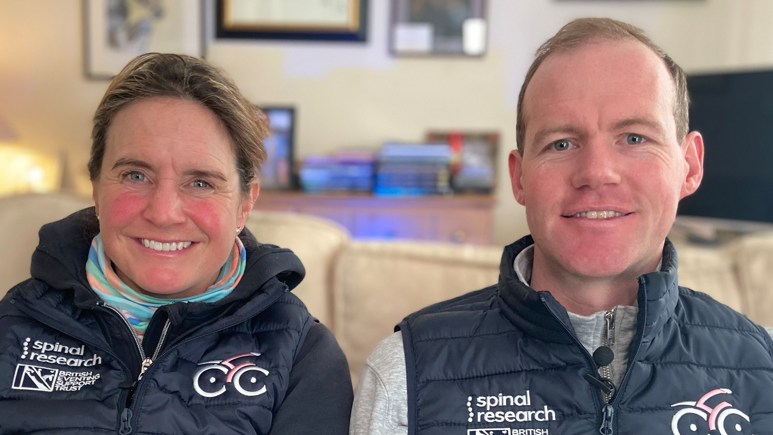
{"x":504,"y":361}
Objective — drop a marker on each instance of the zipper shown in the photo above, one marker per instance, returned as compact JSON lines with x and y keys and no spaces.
{"x":608,"y":341}
{"x":607,"y":415}
{"x":146,"y":362}
{"x":607,"y":410}
{"x":126,"y":414}
{"x":126,"y":426}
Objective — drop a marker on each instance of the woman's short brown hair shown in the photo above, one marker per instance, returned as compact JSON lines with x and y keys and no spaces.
{"x":584,"y":31}
{"x":188,"y":78}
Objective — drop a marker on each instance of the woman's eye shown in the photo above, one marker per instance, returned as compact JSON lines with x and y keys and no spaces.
{"x":634,"y":139}
{"x":201,"y":184}
{"x":562,"y":145}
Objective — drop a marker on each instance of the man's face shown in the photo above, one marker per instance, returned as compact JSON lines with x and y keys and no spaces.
{"x":602,"y":170}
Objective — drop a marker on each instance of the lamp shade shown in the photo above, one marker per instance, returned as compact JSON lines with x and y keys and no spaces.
{"x":6,"y":132}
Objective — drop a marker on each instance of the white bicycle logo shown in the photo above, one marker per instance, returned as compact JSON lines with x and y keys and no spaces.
{"x":722,"y":417}
{"x":211,"y":379}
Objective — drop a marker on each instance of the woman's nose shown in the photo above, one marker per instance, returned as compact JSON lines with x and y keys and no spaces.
{"x":596,"y":166}
{"x":165,"y":207}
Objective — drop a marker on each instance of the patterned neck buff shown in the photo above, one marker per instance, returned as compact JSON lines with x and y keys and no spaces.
{"x":138,"y":308}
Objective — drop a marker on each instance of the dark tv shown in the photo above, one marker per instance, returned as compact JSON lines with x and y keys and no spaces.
{"x":734,"y":112}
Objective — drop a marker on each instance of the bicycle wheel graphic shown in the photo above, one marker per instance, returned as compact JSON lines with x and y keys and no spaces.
{"x":247,"y":380}
{"x":690,"y":421}
{"x":210,"y":380}
{"x":734,"y":422}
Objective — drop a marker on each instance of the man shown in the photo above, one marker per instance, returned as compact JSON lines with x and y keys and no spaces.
{"x":587,"y":330}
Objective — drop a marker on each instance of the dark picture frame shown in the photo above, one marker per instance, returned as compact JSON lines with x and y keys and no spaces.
{"x":474,"y":163}
{"x":278,"y":171}
{"x":438,"y":28}
{"x":112,"y":36}
{"x":335,"y":20}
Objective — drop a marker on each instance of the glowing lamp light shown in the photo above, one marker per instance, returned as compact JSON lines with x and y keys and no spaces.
{"x":27,"y":171}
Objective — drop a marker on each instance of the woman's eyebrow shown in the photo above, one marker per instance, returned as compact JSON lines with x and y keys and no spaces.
{"x":202,"y":173}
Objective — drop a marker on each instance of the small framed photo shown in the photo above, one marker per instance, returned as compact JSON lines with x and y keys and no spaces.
{"x":309,"y":20}
{"x":117,"y":31}
{"x":473,"y":159}
{"x":438,"y":27}
{"x":277,"y":172}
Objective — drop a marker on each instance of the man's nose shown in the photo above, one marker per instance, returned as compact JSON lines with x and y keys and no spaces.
{"x":165,"y":205}
{"x":597,"y":165}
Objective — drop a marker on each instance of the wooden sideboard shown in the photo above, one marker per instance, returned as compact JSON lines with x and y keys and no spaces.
{"x":455,"y":219}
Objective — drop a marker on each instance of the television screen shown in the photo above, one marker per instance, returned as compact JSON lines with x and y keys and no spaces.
{"x":734,"y":112}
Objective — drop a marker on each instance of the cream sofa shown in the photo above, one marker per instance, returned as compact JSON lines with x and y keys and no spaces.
{"x":362,"y":289}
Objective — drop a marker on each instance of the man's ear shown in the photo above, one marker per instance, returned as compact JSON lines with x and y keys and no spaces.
{"x":692,"y":152}
{"x":248,"y":200}
{"x":515,"y":163}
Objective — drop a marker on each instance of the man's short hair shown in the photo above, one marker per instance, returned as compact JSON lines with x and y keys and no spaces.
{"x":585,"y":31}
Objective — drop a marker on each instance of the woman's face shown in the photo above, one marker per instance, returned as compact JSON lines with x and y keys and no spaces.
{"x":169,"y":181}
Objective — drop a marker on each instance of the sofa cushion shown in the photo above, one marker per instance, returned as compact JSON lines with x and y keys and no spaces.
{"x":21,"y":217}
{"x":376,"y":284}
{"x":711,"y":270}
{"x":316,"y":241}
{"x":754,"y":268}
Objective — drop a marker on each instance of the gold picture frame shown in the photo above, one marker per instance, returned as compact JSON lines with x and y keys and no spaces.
{"x":315,"y":20}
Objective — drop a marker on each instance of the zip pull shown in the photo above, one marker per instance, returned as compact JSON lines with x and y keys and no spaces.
{"x":607,"y":414}
{"x":126,"y":427}
{"x":145,"y":364}
{"x":609,"y":323}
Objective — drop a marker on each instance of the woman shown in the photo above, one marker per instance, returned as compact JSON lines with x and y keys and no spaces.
{"x":157,"y":311}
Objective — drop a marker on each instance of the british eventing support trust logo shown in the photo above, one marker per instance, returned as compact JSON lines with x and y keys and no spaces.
{"x":701,"y":418}
{"x":246,"y":377}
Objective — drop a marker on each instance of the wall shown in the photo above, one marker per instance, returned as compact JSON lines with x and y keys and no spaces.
{"x":358,"y":95}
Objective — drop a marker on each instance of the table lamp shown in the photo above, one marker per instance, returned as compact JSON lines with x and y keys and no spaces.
{"x":24,"y":170}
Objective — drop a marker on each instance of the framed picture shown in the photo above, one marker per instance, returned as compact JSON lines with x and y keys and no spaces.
{"x":438,"y":27}
{"x":310,"y":20}
{"x":473,"y":161}
{"x":277,"y":172}
{"x":116,"y":31}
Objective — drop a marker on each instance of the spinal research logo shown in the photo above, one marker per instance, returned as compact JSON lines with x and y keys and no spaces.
{"x":702,"y":418}
{"x":246,"y":377}
{"x":504,"y":408}
{"x":58,"y":354}
{"x":32,"y":377}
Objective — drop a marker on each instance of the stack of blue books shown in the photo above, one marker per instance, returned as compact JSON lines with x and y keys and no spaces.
{"x":343,"y":172}
{"x":413,"y":169}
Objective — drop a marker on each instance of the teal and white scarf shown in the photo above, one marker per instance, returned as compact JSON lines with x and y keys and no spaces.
{"x":138,"y":308}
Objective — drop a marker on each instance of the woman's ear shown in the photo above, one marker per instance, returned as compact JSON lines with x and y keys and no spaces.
{"x":248,"y":200}
{"x":95,"y":195}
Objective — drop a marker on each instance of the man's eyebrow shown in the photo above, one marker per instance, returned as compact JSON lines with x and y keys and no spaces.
{"x":566,"y":128}
{"x":630,"y":122}
{"x":125,"y":161}
{"x":201,"y":173}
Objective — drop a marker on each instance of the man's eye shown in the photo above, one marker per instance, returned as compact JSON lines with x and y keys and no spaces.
{"x":201,"y":184}
{"x":634,"y":139}
{"x":562,"y":145}
{"x":136,"y":176}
